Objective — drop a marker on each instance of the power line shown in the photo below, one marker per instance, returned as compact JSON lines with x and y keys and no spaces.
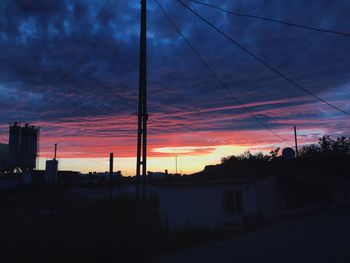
{"x":216,"y":76}
{"x":75,"y":155}
{"x":272,"y":20}
{"x":84,"y":165}
{"x":261,"y":60}
{"x":104,"y":163}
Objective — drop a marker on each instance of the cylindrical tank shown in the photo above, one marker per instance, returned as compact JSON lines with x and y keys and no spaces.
{"x":25,"y":147}
{"x":13,"y":158}
{"x":34,"y":135}
{"x":29,"y":143}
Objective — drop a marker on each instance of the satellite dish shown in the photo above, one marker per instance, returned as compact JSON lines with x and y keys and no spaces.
{"x":288,"y":153}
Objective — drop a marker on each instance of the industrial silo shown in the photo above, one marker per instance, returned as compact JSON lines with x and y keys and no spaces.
{"x":28,"y":147}
{"x":14,"y":146}
{"x":35,"y":134}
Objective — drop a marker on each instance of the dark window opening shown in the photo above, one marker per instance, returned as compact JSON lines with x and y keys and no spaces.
{"x":232,"y":201}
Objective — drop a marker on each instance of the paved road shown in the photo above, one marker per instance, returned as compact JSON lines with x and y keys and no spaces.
{"x":314,"y":239}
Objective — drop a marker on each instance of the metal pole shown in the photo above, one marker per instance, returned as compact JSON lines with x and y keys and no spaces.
{"x":55,"y":164}
{"x":142,"y":109}
{"x":176,"y":164}
{"x":55,"y":155}
{"x":110,"y":176}
{"x":144,"y":97}
{"x":139,"y":134}
{"x":296,"y":140}
{"x":54,"y":174}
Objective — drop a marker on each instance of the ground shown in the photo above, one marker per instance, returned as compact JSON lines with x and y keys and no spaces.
{"x":324,"y":237}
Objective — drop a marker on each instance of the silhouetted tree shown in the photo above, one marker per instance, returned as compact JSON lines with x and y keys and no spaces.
{"x":328,"y":157}
{"x":327,"y":146}
{"x":274,"y":153}
{"x":310,"y":150}
{"x":251,"y":157}
{"x":340,"y":145}
{"x":229,"y":159}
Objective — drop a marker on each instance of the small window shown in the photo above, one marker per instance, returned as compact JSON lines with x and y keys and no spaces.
{"x":232,"y":201}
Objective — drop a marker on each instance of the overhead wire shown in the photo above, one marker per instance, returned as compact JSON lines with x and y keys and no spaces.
{"x":267,"y":65}
{"x":104,"y":163}
{"x":212,"y":72}
{"x":292,"y":24}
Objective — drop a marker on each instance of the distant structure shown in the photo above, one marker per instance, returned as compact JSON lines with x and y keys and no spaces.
{"x":51,"y":171}
{"x":23,"y":147}
{"x":3,"y":157}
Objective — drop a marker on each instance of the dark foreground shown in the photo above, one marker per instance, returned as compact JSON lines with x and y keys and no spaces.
{"x":77,"y":230}
{"x":82,"y":230}
{"x":319,"y":238}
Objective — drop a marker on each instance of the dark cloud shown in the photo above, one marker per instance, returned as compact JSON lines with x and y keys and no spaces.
{"x":79,"y":59}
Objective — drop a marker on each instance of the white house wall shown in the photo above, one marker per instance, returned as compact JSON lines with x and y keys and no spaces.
{"x":189,"y":206}
{"x":202,"y":205}
{"x":249,"y":200}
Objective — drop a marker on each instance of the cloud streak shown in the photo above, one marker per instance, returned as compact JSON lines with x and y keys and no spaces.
{"x":71,"y":67}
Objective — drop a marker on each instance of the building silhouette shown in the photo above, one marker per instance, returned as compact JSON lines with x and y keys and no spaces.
{"x":23,"y":147}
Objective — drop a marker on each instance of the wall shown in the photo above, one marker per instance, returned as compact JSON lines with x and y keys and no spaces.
{"x":202,"y":205}
{"x":51,"y":171}
{"x":15,"y":181}
{"x":270,"y":198}
{"x":250,"y":205}
{"x":10,"y":183}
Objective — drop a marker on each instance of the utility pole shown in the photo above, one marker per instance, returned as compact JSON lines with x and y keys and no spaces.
{"x":142,"y":115}
{"x":176,"y":164}
{"x":296,"y":140}
{"x":54,"y":175}
{"x":55,"y":154}
{"x":55,"y":164}
{"x":110,"y":176}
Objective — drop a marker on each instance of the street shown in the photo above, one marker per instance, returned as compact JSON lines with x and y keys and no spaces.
{"x":324,"y":237}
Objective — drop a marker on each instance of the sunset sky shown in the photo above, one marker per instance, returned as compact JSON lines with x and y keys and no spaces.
{"x":71,"y":68}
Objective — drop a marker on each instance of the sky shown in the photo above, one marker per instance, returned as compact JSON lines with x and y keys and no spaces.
{"x":71,"y":68}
